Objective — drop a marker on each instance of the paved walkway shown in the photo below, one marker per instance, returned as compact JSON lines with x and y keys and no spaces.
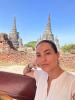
{"x":15,"y":69}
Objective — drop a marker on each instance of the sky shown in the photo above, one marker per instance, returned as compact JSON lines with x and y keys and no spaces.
{"x":32,"y":17}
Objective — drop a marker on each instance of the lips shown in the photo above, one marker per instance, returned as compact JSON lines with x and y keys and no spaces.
{"x":44,"y":64}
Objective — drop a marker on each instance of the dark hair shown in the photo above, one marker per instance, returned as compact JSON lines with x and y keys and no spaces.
{"x":49,"y":42}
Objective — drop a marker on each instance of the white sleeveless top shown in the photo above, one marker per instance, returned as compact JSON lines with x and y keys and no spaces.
{"x":62,"y":88}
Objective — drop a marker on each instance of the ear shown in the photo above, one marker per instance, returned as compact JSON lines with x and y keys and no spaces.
{"x":73,"y":96}
{"x":58,"y":55}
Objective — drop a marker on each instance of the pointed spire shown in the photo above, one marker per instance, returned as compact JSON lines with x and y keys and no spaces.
{"x":48,"y":33}
{"x":14,"y":30}
{"x":48,"y":27}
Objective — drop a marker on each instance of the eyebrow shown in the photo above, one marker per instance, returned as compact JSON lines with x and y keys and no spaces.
{"x":47,"y":50}
{"x":44,"y":51}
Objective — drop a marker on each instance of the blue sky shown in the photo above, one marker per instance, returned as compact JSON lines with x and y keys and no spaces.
{"x":32,"y":16}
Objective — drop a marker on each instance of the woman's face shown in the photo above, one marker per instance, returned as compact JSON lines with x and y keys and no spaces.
{"x":46,"y":58}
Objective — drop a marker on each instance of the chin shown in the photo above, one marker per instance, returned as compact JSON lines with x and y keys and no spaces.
{"x":45,"y":69}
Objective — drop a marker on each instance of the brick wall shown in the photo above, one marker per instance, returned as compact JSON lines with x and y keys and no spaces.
{"x":16,"y":57}
{"x":67,"y":61}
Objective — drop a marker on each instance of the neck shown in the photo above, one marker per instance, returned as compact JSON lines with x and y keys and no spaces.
{"x":54,"y":73}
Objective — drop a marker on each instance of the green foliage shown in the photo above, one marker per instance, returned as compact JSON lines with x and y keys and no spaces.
{"x":67,"y":47}
{"x":31,"y":44}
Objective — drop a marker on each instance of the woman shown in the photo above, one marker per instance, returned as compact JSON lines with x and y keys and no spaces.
{"x":52,"y":82}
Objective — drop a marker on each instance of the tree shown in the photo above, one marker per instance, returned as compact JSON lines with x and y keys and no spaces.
{"x":67,"y":47}
{"x":31,"y":44}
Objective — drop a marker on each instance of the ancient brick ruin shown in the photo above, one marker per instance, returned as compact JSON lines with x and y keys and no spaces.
{"x":10,"y":55}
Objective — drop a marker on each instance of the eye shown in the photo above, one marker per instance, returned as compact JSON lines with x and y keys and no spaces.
{"x":48,"y":53}
{"x":38,"y":55}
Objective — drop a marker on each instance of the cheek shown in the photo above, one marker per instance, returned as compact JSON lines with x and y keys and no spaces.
{"x":52,"y":59}
{"x":49,"y":58}
{"x":38,"y":61}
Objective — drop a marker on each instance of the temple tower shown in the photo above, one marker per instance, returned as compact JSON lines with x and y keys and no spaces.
{"x":47,"y":35}
{"x":14,"y":35}
{"x":48,"y":32}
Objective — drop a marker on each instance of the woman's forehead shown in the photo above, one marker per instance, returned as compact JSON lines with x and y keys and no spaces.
{"x":44,"y":46}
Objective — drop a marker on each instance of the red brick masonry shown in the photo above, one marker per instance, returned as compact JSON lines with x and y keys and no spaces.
{"x":67,"y":61}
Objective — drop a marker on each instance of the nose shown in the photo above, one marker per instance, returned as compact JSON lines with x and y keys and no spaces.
{"x":43,"y":58}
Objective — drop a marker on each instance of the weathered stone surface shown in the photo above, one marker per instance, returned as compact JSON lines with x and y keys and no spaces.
{"x":5,"y":44}
{"x":15,"y":57}
{"x":67,"y":61}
